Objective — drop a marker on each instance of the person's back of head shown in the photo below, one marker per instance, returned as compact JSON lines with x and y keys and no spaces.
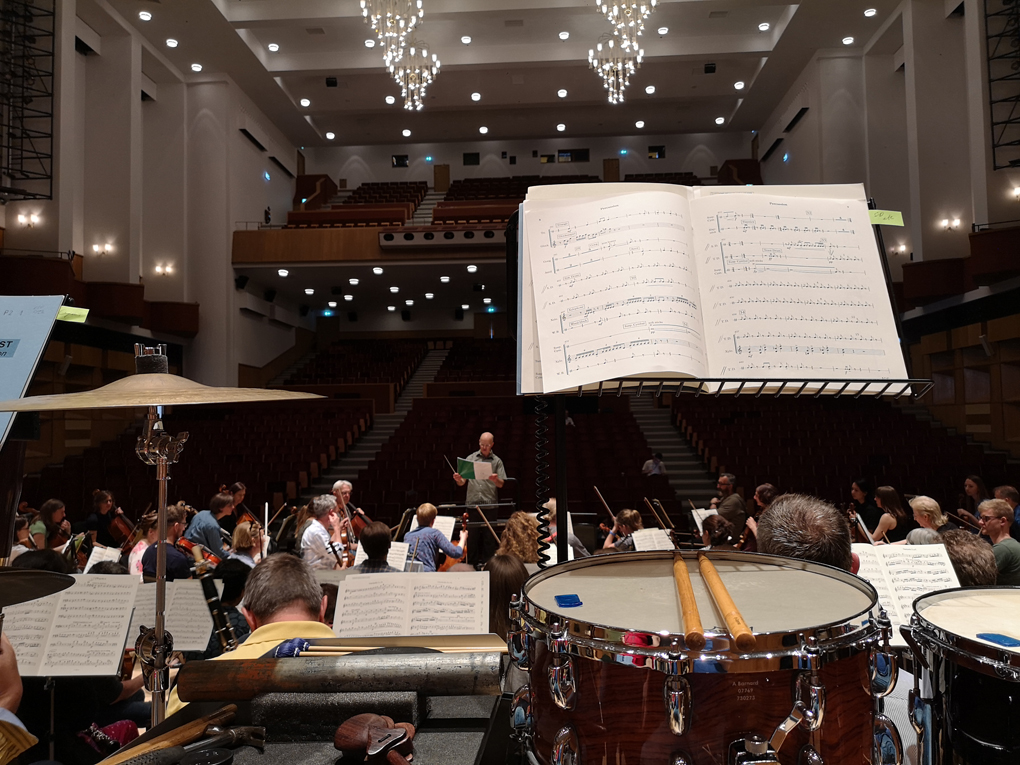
{"x":1008,"y":493}
{"x":242,"y":538}
{"x":321,"y":506}
{"x":375,"y":540}
{"x":43,"y":560}
{"x":719,"y":530}
{"x":283,"y":588}
{"x":972,"y":557}
{"x":520,"y":537}
{"x":108,"y":567}
{"x":426,"y":515}
{"x":221,"y":501}
{"x":507,"y":575}
{"x":799,"y":526}
{"x":923,"y":536}
{"x":630,"y":518}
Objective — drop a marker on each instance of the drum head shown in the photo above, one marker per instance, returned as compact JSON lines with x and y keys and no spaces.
{"x":986,"y":616}
{"x":637,"y":592}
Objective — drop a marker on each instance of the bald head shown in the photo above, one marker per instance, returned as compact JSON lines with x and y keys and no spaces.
{"x":485,"y":443}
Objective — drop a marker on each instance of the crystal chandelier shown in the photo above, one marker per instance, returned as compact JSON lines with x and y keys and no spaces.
{"x":414,"y":72}
{"x":392,"y":21}
{"x":614,"y":62}
{"x":627,"y":18}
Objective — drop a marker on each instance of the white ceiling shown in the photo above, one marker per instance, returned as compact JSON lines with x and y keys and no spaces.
{"x":515,"y":60}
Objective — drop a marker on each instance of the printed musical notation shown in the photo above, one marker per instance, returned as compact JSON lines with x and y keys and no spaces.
{"x":187,"y":614}
{"x":395,"y":605}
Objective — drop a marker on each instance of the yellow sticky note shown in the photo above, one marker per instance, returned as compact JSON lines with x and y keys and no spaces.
{"x":70,"y":313}
{"x":886,"y":217}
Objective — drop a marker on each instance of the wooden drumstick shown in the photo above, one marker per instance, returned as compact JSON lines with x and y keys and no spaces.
{"x":741,"y":633}
{"x":694,"y":635}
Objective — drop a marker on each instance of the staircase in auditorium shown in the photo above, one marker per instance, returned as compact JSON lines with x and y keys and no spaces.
{"x":384,"y":426}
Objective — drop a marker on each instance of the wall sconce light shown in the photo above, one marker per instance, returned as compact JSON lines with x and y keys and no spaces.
{"x":903,"y":248}
{"x":1016,"y":193}
{"x":945,"y":224}
{"x":956,"y":222}
{"x":164,"y":270}
{"x":99,"y":249}
{"x":28,"y":220}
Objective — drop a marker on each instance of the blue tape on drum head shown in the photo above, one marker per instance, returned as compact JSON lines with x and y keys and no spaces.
{"x":567,"y":601}
{"x":1003,"y":640}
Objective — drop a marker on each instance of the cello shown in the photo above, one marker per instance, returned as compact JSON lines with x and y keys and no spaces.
{"x":450,"y":561}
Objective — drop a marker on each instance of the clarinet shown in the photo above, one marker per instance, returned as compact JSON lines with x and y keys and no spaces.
{"x":221,"y":624}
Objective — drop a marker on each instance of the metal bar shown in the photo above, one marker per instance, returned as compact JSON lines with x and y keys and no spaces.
{"x":560,"y":432}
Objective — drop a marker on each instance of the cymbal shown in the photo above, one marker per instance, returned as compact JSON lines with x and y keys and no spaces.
{"x":20,"y":585}
{"x":149,"y":390}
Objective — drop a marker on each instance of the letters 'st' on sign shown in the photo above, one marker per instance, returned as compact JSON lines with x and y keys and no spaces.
{"x":7,"y":348}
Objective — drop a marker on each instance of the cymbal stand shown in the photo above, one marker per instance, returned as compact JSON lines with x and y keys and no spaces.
{"x":155,"y":447}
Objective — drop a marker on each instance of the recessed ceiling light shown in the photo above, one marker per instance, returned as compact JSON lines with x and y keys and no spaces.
{"x":848,"y":41}
{"x":309,"y":291}
{"x":353,"y":282}
{"x":305,"y":102}
{"x":390,"y":100}
{"x":466,"y":40}
{"x":650,"y":89}
{"x":429,"y":296}
{"x":564,"y":35}
{"x":486,"y":300}
{"x":561,"y":127}
{"x":273,"y":47}
{"x":763,"y":27}
{"x":562,"y":92}
{"x":738,"y":85}
{"x":406,"y":133}
{"x":377,"y":271}
{"x":476,"y":96}
{"x":720,"y":120}
{"x":394,"y":289}
{"x":639,"y":124}
{"x":870,"y":12}
{"x":663,"y":30}
{"x":171,"y":42}
{"x":348,"y":297}
{"x":283,"y":272}
{"x":332,"y":304}
{"x":444,"y":279}
{"x":145,"y":15}
{"x":408,"y":302}
{"x":196,"y":67}
{"x":369,"y":43}
{"x":472,"y":269}
{"x":483,"y":130}
{"x":391,"y":308}
{"x":465,"y":306}
{"x":330,"y":136}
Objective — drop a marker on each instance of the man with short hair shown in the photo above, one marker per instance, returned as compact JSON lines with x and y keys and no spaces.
{"x":972,"y":558}
{"x":798,"y":526}
{"x":425,"y":541}
{"x":282,"y":600}
{"x":204,"y":528}
{"x":178,"y":565}
{"x":319,"y":546}
{"x":484,"y":491}
{"x":1012,"y":496}
{"x":730,"y":505}
{"x":995,"y":516}
{"x":375,"y":541}
{"x":654,"y":466}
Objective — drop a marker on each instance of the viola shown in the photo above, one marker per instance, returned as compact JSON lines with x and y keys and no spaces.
{"x":450,"y":561}
{"x":187,"y":547}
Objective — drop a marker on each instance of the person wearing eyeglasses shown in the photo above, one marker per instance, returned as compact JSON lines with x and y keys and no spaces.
{"x":995,"y":517}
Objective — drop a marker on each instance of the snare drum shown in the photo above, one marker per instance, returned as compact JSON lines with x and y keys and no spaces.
{"x":611,"y":680}
{"x":969,"y":707}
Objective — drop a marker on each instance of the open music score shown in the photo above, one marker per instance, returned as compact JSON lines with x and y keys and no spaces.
{"x":393,"y":605}
{"x":443,"y":523}
{"x":902,"y":573}
{"x":652,"y":539}
{"x":396,"y":557}
{"x":187,"y":614}
{"x":675,"y":283}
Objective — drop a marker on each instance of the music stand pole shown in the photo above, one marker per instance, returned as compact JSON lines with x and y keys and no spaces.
{"x":560,"y":434}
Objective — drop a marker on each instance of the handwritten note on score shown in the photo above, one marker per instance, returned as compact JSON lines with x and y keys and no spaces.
{"x":413,"y":604}
{"x":80,"y":631}
{"x":902,"y":573}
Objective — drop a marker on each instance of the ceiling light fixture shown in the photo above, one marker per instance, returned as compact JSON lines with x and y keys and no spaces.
{"x":663,"y":30}
{"x":348,"y":298}
{"x":870,"y":12}
{"x":429,"y":296}
{"x":561,"y":127}
{"x":764,"y":26}
{"x":408,"y":302}
{"x":394,"y":289}
{"x":564,"y":35}
{"x":353,"y":282}
{"x":486,"y":300}
{"x":614,"y":64}
{"x":273,"y":47}
{"x":309,"y":291}
{"x":369,"y":43}
{"x":483,"y":130}
{"x":472,"y":269}
{"x":720,"y":120}
{"x":406,"y":133}
{"x":414,"y":72}
{"x":377,"y":271}
{"x":171,"y":42}
{"x":650,"y":90}
{"x":444,"y":279}
{"x":145,"y":15}
{"x":848,"y":41}
{"x":476,"y":96}
{"x":627,"y":18}
{"x":332,"y":304}
{"x":639,"y":124}
{"x":305,"y":102}
{"x":196,"y":67}
{"x":390,"y":99}
{"x":738,"y":85}
{"x":283,"y":272}
{"x":391,"y":308}
{"x":330,"y":136}
{"x":465,"y":306}
{"x":562,"y":92}
{"x":466,"y":40}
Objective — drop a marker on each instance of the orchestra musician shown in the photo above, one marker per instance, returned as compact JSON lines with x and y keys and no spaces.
{"x":764,"y":496}
{"x":147,"y":532}
{"x":247,"y":544}
{"x":520,"y":538}
{"x":50,"y":528}
{"x":98,"y":522}
{"x":204,"y":528}
{"x":22,"y":539}
{"x":575,"y":544}
{"x":425,"y":541}
{"x":321,"y":545}
{"x":342,"y":491}
{"x":178,"y":565}
{"x":237,"y":491}
{"x":621,"y":537}
{"x":484,"y":491}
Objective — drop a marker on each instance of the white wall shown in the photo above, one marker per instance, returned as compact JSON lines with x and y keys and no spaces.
{"x":695,"y":153}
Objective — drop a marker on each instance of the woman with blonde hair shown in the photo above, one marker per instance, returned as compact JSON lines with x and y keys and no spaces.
{"x":520,"y":538}
{"x":929,"y":515}
{"x":245,"y":544}
{"x":621,"y":537}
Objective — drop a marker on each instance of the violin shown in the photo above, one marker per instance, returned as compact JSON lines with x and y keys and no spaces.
{"x":188,"y":547}
{"x":450,"y":561}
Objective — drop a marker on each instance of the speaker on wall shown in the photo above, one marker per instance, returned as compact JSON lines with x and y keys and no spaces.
{"x":241,"y":281}
{"x":405,"y":315}
{"x":269,"y":295}
{"x":458,"y":314}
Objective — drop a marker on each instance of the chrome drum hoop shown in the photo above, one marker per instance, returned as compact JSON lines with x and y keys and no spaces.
{"x":666,"y":652}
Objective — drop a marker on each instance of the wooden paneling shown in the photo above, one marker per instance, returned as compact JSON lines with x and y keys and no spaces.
{"x":117,"y":301}
{"x":927,"y":281}
{"x":180,"y":319}
{"x":381,"y":393}
{"x":326,"y":245}
{"x":993,"y":255}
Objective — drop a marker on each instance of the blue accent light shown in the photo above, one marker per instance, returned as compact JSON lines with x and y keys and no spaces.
{"x":266,"y":175}
{"x":491,"y":309}
{"x":428,"y":158}
{"x":327,"y":312}
{"x":305,"y":199}
{"x":623,"y":152}
{"x":786,"y":158}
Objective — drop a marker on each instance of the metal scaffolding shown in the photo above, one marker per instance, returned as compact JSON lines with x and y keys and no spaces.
{"x":1002,"y":32}
{"x":26,"y":99}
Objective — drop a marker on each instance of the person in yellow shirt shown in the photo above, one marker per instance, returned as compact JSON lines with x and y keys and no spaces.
{"x":282,"y":600}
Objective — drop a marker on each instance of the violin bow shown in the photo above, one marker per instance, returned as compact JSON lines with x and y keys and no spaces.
{"x":604,"y":503}
{"x":662,"y":510}
{"x":654,"y":514}
{"x":494,"y":534}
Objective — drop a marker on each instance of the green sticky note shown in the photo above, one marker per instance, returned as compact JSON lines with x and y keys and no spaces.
{"x":70,"y":313}
{"x":886,"y":217}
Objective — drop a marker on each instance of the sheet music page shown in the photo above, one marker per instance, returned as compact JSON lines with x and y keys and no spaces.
{"x":652,"y":539}
{"x":27,"y":626}
{"x":443,"y":523}
{"x":449,"y":604}
{"x":615,"y":288}
{"x":793,"y":286}
{"x":100,"y":553}
{"x":700,"y":514}
{"x":330,"y":576}
{"x":396,"y":557}
{"x":188,"y":617}
{"x":529,"y":357}
{"x":90,"y":627}
{"x":145,"y":610}
{"x":371,"y":606}
{"x":873,"y":569}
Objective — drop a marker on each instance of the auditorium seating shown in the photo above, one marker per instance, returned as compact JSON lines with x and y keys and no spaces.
{"x":819,"y":446}
{"x":274,"y":449}
{"x":354,"y":216}
{"x":362,"y":361}
{"x":470,"y":211}
{"x":381,"y":193}
{"x":478,"y":360}
{"x":682,"y":179}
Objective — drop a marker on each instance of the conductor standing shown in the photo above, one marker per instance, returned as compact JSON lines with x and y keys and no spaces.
{"x":484,"y":491}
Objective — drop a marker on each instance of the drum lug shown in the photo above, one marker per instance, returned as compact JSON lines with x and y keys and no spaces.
{"x":753,"y":749}
{"x":811,"y":699}
{"x":883,"y":662}
{"x":808,"y":756}
{"x":565,"y":749}
{"x":887,"y":747}
{"x":681,"y":758}
{"x":562,"y":685}
{"x":519,"y":641}
{"x":676,"y":692}
{"x":522,"y":720}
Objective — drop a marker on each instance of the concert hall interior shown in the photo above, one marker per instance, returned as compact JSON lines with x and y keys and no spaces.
{"x":316,"y":214}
